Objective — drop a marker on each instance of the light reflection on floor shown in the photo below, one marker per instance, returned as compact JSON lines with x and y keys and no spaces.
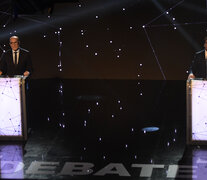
{"x":106,"y":134}
{"x":11,"y":161}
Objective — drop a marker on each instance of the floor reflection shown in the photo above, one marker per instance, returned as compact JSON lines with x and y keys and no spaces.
{"x":11,"y":161}
{"x":101,"y":122}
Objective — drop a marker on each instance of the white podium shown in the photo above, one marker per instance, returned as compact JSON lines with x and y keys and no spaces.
{"x":13,"y":125}
{"x":196,"y":111}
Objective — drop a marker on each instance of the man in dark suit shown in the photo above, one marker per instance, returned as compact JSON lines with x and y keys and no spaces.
{"x":16,"y":61}
{"x":199,"y":64}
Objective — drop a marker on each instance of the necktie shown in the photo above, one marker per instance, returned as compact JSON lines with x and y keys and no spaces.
{"x":15,"y":57}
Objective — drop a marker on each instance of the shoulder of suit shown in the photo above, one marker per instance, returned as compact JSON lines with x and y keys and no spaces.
{"x":8,"y":51}
{"x":199,"y":52}
{"x":24,"y":50}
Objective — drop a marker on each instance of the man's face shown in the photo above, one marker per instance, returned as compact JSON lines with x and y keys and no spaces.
{"x":205,"y":45}
{"x":14,"y":44}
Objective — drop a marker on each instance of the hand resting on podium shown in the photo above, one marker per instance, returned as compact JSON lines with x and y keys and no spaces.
{"x":26,"y":73}
{"x":191,"y":76}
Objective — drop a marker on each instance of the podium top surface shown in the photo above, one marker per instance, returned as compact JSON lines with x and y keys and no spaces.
{"x":15,"y":76}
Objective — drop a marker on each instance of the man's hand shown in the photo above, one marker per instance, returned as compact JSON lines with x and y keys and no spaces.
{"x":191,"y":76}
{"x":0,"y":73}
{"x":26,"y":73}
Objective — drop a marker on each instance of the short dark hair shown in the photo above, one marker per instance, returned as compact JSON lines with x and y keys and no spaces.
{"x":205,"y":39}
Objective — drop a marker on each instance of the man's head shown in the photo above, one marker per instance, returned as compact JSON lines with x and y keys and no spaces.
{"x":14,"y":42}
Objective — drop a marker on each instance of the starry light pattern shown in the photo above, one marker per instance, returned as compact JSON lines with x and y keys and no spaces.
{"x":10,"y":111}
{"x":199,"y":121}
{"x":118,"y":49}
{"x":56,"y":25}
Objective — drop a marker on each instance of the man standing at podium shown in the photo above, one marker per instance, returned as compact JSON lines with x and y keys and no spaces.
{"x":16,"y":61}
{"x":199,"y":64}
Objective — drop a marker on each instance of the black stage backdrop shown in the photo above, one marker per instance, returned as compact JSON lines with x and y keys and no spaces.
{"x":110,"y":39}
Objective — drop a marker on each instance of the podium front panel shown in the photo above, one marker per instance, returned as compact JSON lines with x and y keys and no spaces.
{"x":197,"y":112}
{"x":12,"y":109}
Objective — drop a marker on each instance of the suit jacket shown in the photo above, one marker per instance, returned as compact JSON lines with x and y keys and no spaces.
{"x":199,"y":65}
{"x":8,"y":67}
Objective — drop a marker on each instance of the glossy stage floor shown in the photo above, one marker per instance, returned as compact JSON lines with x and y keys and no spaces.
{"x":104,"y":129}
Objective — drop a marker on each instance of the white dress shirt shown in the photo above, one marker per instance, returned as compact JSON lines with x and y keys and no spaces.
{"x":18,"y":56}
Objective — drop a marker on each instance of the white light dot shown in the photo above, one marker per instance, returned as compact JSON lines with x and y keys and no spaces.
{"x":135,"y":157}
{"x":4,"y":25}
{"x":138,"y":75}
{"x":175,"y":28}
{"x":96,"y":54}
{"x":112,"y":116}
{"x":126,"y":146}
{"x":48,"y":16}
{"x":15,"y":31}
{"x":119,"y":49}
{"x":173,"y":19}
{"x":58,"y":32}
{"x":60,"y":29}
{"x":100,"y":139}
{"x":119,"y":101}
{"x":117,"y":56}
{"x":89,"y":110}
{"x":168,"y":144}
{"x":111,"y":42}
{"x":96,"y":17}
{"x":87,"y":46}
{"x":84,"y":148}
{"x":187,"y":72}
{"x":48,"y":119}
{"x":79,"y":5}
{"x":175,"y":130}
{"x":144,"y":132}
{"x":44,"y":36}
{"x":82,"y":34}
{"x":143,"y":26}
{"x":120,"y":108}
{"x":81,"y":30}
{"x":104,"y":157}
{"x":174,"y":139}
{"x":138,"y":83}
{"x":132,"y":129}
{"x":140,"y":94}
{"x":167,"y":12}
{"x":130,"y":27}
{"x":4,"y":45}
{"x":140,"y":64}
{"x":4,"y":51}
{"x":97,"y":103}
{"x":123,"y":9}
